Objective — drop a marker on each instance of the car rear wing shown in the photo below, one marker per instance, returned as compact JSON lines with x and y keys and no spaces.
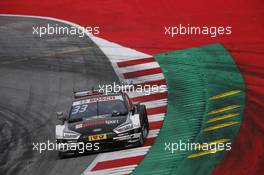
{"x":80,"y":94}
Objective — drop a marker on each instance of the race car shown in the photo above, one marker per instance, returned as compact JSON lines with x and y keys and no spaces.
{"x":99,"y":122}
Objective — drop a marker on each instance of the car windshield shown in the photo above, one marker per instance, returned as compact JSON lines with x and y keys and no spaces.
{"x":97,"y":108}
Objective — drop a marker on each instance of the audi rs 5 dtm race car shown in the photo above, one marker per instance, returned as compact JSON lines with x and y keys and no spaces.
{"x":99,"y":121}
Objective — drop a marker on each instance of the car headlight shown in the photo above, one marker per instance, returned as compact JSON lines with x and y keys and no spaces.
{"x":70,"y":135}
{"x":129,"y":125}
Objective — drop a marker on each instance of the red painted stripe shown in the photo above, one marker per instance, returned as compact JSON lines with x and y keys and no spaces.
{"x":118,"y":163}
{"x":149,"y":141}
{"x":135,"y":62}
{"x":156,"y":110}
{"x":142,"y":72}
{"x":155,"y":82}
{"x":155,"y":125}
{"x":151,"y":97}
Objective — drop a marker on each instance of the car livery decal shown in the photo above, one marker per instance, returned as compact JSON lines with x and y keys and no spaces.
{"x":97,"y":137}
{"x":93,"y":100}
{"x":100,"y":122}
{"x":110,"y":122}
{"x":87,"y":124}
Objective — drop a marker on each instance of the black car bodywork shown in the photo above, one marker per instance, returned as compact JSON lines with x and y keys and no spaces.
{"x":100,"y":122}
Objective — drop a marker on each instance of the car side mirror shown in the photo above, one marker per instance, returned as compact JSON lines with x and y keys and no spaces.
{"x":133,"y":110}
{"x":60,"y":116}
{"x":135,"y":105}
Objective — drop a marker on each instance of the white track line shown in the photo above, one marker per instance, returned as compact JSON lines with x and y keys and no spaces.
{"x":157,"y":117}
{"x":155,"y":103}
{"x":133,"y":152}
{"x":117,"y":52}
{"x":112,"y":171}
{"x":139,"y":67}
{"x":153,"y":133}
{"x":146,"y":78}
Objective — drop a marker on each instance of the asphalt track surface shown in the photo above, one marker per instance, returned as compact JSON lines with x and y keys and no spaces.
{"x":37,"y":78}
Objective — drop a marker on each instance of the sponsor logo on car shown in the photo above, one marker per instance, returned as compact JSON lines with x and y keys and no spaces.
{"x":97,"y":137}
{"x":87,"y":124}
{"x":110,"y":122}
{"x":97,"y":129}
{"x":93,"y":100}
{"x":105,"y":98}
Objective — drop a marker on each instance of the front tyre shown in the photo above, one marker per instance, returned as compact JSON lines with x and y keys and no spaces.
{"x":143,"y":135}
